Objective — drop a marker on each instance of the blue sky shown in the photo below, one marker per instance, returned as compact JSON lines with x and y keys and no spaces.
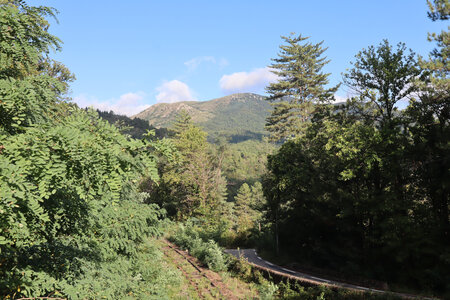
{"x":128,"y":55}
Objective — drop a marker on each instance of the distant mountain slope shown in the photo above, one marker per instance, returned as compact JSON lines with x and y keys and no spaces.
{"x":135,"y":127}
{"x":238,"y":116}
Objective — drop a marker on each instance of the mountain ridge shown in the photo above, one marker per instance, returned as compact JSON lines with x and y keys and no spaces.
{"x":238,"y":115}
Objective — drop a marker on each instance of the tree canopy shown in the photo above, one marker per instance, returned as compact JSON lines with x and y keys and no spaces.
{"x":72,"y":221}
{"x":301,"y":83}
{"x":365,"y":188}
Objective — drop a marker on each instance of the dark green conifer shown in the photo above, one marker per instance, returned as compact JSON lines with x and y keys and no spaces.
{"x":301,"y":84}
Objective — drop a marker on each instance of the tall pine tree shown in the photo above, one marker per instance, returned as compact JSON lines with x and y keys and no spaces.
{"x":301,"y":84}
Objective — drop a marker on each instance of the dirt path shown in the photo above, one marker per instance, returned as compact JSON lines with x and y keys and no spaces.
{"x":202,"y":282}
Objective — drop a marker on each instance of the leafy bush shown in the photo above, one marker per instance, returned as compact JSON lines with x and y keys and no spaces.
{"x":72,"y":222}
{"x":207,"y":252}
{"x":267,"y":290}
{"x":70,"y":211}
{"x":214,"y":257}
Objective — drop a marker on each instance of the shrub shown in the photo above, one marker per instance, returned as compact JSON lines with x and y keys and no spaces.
{"x":214,"y":257}
{"x":208,"y":252}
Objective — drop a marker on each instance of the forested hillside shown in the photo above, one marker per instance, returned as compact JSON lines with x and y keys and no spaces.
{"x":237,"y":117}
{"x":136,"y":128}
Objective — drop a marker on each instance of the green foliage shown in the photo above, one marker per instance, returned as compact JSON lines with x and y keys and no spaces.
{"x":30,"y":83}
{"x":192,"y":183}
{"x":72,"y":222}
{"x":267,"y":290}
{"x":246,"y":161}
{"x":435,"y":88}
{"x":248,"y":207}
{"x":364,"y":190}
{"x":293,"y":289}
{"x":301,"y":83}
{"x":439,"y":9}
{"x":286,"y":290}
{"x":241,"y":268}
{"x":182,"y":122}
{"x":383,"y":77}
{"x":187,"y":237}
{"x":214,"y":258}
{"x":24,"y":38}
{"x":27,"y":102}
{"x":68,"y":189}
{"x":142,"y":276}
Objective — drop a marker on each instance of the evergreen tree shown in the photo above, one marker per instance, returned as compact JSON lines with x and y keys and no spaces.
{"x":301,"y":84}
{"x":435,"y":90}
{"x":439,"y":9}
{"x":258,"y":200}
{"x":244,"y":213}
{"x":192,"y":183}
{"x":429,"y":124}
{"x":182,"y":122}
{"x":248,"y":206}
{"x":367,"y":184}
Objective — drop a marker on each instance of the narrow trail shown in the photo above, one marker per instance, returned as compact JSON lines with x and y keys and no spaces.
{"x":206,"y":283}
{"x":252,"y":257}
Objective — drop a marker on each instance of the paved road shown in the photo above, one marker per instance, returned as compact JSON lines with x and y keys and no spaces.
{"x":253,"y":258}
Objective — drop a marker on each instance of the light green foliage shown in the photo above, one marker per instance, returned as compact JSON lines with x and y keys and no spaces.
{"x":69,"y":189}
{"x":192,"y":183}
{"x":182,"y":122}
{"x":246,"y":161}
{"x":301,"y":83}
{"x":30,"y":83}
{"x":24,"y":38}
{"x":267,"y":291}
{"x":187,"y":237}
{"x":248,"y":207}
{"x":214,"y":257}
{"x":243,"y":201}
{"x":384,"y":76}
{"x":27,"y":102}
{"x":143,"y":276}
{"x":72,"y":222}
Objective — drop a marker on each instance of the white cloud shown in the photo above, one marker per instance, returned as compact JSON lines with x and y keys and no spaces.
{"x":174,"y":91}
{"x":127,"y":104}
{"x":195,"y":62}
{"x":339,"y":99}
{"x":253,"y":81}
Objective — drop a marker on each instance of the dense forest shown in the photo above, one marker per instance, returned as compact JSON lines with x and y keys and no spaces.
{"x":135,"y":127}
{"x":72,"y":220}
{"x":363,"y":188}
{"x":360,"y":188}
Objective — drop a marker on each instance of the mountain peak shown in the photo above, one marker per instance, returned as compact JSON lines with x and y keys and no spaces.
{"x":232,"y":114}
